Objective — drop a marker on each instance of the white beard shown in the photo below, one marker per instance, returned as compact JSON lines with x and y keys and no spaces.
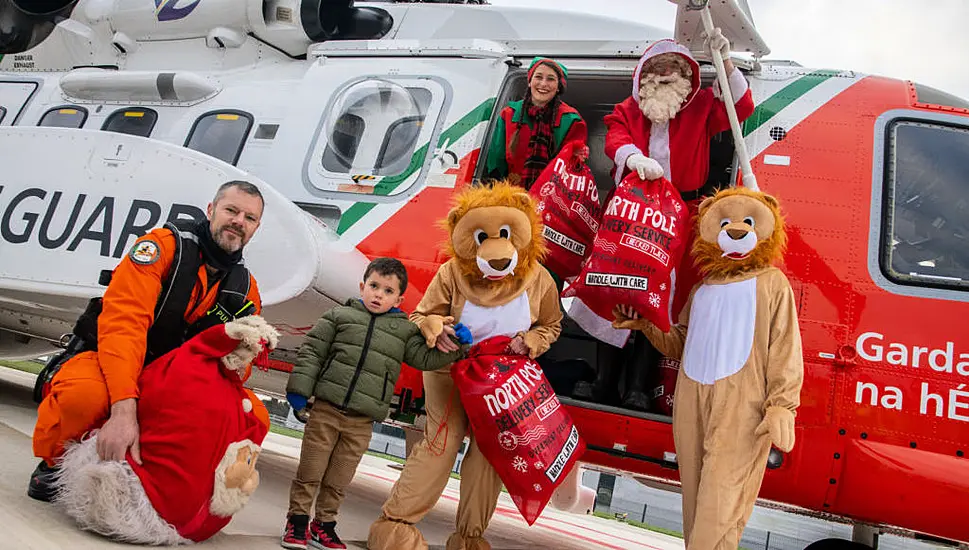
{"x":660,"y":97}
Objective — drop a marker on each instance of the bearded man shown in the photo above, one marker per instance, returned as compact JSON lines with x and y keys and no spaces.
{"x":665,"y":127}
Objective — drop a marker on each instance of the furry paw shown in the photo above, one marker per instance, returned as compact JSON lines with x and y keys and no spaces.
{"x":622,"y":321}
{"x":253,"y":333}
{"x":779,"y":424}
{"x":433,"y":326}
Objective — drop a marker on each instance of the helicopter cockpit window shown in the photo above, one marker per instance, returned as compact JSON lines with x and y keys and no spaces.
{"x":64,"y":117}
{"x":375,"y":129}
{"x":134,"y":121}
{"x":220,"y":134}
{"x":927,"y":210}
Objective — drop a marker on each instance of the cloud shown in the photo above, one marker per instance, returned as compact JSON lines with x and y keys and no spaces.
{"x":905,"y":39}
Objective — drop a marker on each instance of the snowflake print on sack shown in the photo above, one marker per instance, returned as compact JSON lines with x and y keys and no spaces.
{"x":662,"y":286}
{"x":537,"y":487}
{"x":519,"y":464}
{"x":492,"y":376}
{"x":654,"y":300}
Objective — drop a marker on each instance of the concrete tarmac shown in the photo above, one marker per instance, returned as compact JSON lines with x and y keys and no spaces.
{"x":29,"y":524}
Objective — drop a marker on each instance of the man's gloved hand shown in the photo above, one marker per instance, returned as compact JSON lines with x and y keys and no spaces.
{"x":716,"y":41}
{"x":463,"y":333}
{"x":647,"y":168}
{"x":297,"y":401}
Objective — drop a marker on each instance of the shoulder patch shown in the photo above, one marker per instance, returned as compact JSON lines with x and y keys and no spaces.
{"x":145,"y":252}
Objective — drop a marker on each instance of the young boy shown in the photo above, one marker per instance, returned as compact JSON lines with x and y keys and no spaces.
{"x":350,"y":362}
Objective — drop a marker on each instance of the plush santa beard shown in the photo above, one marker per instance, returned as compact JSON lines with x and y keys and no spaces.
{"x":660,"y":97}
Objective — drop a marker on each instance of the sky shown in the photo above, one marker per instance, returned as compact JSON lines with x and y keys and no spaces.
{"x":921,"y":40}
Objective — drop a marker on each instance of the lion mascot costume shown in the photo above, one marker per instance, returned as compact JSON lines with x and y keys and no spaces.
{"x":200,"y":437}
{"x":740,"y":382}
{"x":493,"y":284}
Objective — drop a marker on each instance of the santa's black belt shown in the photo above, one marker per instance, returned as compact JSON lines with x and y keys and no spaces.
{"x":689,"y":196}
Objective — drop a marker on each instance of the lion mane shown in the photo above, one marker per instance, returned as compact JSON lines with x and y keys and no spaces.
{"x":501,"y":193}
{"x":708,"y":255}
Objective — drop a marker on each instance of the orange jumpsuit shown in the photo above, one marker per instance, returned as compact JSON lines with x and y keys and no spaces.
{"x":86,"y":386}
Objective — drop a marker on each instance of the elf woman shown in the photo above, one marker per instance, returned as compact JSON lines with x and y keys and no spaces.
{"x":530,"y":132}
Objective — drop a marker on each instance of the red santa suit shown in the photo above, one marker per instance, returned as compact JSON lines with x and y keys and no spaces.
{"x":681,"y":146}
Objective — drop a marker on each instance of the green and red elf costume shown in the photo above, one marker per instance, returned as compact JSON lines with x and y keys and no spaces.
{"x":527,"y":136}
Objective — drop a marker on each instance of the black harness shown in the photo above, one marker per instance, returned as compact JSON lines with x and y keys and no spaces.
{"x":169,"y":329}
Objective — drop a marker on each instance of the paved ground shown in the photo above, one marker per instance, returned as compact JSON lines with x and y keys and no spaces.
{"x":29,"y":524}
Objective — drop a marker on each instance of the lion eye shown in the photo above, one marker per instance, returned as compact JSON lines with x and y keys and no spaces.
{"x":480,"y":236}
{"x":505,"y":232}
{"x":724,"y":222}
{"x":749,"y":221}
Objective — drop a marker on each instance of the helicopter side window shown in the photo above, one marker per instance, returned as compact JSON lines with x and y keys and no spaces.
{"x":64,"y":117}
{"x":3,"y":113}
{"x":134,"y":121}
{"x":220,"y":134}
{"x":926,"y":226}
{"x":374,"y":130}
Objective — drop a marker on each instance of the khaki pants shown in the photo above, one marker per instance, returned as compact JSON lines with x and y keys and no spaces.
{"x":333,"y":444}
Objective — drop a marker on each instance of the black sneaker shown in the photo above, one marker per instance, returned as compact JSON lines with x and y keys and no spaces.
{"x":323,"y":535}
{"x":296,"y":532}
{"x":42,"y":483}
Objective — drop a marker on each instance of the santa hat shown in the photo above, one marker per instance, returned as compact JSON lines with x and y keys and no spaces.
{"x":667,"y":46}
{"x":555,"y":65}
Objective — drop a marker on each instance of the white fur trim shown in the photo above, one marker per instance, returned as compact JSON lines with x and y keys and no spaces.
{"x":597,"y":326}
{"x":107,"y":498}
{"x":226,"y":501}
{"x":251,"y":331}
{"x":247,"y":405}
{"x":622,"y":155}
{"x":659,"y":146}
{"x":738,"y":85}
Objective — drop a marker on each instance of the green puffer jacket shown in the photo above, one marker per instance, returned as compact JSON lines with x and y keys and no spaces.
{"x":352,"y":358}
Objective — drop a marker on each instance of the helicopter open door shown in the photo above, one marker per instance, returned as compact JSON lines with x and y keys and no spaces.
{"x":732,"y":16}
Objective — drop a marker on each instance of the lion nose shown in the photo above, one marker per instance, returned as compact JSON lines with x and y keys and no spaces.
{"x":499,"y":265}
{"x":736,"y":234}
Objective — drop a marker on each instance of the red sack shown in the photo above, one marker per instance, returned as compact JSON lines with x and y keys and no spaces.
{"x":663,"y":386}
{"x":568,"y":200}
{"x":518,"y":423}
{"x":636,"y":252}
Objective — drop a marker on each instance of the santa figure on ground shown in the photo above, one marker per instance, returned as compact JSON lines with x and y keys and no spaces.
{"x":663,"y":130}
{"x":200,"y":433}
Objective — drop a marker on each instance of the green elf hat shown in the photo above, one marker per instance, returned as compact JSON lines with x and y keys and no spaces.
{"x":556,"y":66}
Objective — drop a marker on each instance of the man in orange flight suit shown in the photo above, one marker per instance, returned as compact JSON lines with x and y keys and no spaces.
{"x":99,"y":389}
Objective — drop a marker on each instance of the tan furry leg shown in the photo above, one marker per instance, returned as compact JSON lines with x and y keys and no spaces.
{"x":457,"y":542}
{"x":387,"y":534}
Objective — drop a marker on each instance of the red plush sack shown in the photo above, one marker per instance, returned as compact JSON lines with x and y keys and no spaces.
{"x":636,"y":251}
{"x":664,"y":386}
{"x":518,"y":423}
{"x":567,"y":198}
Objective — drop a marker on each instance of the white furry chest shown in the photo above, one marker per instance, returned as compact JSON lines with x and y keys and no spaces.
{"x":504,"y":320}
{"x":720,"y":335}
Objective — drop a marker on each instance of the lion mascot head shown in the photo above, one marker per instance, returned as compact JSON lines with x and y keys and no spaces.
{"x":495,"y":235}
{"x":738,"y":231}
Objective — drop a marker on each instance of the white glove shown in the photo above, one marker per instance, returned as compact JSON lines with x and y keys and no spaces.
{"x":647,"y":168}
{"x":716,"y":42}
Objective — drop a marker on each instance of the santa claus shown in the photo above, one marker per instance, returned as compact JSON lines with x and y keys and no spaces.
{"x":663,"y":130}
{"x":200,"y":437}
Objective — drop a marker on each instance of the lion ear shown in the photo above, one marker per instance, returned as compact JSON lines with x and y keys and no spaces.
{"x":706,"y":203}
{"x":524,"y":200}
{"x":452,"y":217}
{"x":771,"y":201}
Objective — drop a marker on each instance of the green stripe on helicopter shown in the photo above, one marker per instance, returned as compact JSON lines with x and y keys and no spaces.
{"x":784,"y":97}
{"x":481,"y":113}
